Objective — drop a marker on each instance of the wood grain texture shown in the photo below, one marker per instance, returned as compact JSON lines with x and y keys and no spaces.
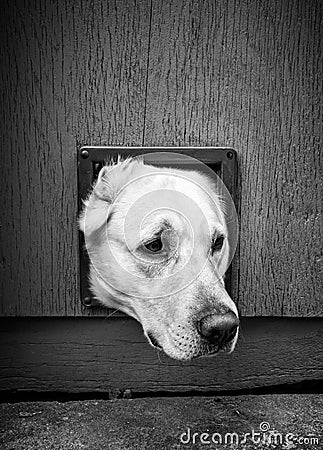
{"x":230,"y":73}
{"x":93,"y":354}
{"x":249,"y":75}
{"x":71,"y":73}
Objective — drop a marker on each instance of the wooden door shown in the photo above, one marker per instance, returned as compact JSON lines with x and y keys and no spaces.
{"x":175,"y":73}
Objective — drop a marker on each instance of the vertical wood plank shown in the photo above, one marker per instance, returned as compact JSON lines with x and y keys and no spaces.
{"x":72,"y":73}
{"x":249,"y":75}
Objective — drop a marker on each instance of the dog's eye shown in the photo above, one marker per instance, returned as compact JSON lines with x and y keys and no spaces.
{"x":154,"y":246}
{"x":217,"y":244}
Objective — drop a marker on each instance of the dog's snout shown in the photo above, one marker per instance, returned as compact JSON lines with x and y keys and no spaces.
{"x":219,"y":329}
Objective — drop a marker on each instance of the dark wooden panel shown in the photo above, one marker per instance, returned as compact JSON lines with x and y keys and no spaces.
{"x":249,"y":75}
{"x":72,"y":73}
{"x":93,"y":354}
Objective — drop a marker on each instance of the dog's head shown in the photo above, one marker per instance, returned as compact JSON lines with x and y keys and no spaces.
{"x":158,"y":245}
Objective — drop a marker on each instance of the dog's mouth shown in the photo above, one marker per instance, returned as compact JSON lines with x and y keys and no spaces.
{"x":200,"y":350}
{"x":152,"y":339}
{"x":211,"y":351}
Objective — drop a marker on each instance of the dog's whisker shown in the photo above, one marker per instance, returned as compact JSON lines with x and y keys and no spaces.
{"x":113,"y":312}
{"x":242,"y":336}
{"x":159,"y":358}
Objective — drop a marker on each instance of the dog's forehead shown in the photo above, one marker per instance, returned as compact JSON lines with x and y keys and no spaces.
{"x":179,"y":196}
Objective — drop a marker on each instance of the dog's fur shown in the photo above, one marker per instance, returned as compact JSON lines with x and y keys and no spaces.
{"x":170,"y":291}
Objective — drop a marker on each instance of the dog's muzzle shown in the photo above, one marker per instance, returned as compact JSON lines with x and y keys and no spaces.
{"x":218,"y":330}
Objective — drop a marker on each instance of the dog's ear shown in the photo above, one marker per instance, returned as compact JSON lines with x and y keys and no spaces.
{"x":111,"y":179}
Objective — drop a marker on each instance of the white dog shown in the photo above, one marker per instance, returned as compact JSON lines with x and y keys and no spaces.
{"x":157,"y":241}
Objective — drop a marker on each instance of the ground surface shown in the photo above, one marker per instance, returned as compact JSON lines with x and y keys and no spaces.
{"x":295,"y":422}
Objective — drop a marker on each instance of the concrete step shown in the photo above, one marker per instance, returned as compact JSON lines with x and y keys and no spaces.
{"x":232,"y":422}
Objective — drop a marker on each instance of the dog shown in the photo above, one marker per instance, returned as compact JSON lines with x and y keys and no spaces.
{"x":158,"y":245}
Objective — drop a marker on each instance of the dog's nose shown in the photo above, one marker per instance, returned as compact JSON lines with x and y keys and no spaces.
{"x":219,"y":329}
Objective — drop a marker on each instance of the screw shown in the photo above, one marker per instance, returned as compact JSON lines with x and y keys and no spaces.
{"x":84,"y":154}
{"x":87,"y":301}
{"x":230,"y":155}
